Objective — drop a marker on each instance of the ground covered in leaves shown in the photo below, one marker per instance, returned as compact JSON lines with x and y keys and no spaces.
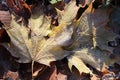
{"x":11,"y":70}
{"x":67,"y":39}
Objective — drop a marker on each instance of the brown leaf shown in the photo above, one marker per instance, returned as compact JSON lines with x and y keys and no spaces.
{"x":61,"y":76}
{"x":53,"y":76}
{"x":5,"y":18}
{"x":20,"y":8}
{"x":11,"y":75}
{"x":4,"y":36}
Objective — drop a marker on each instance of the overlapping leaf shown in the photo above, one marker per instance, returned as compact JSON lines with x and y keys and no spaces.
{"x":91,"y":38}
{"x":86,"y":39}
{"x":38,"y":47}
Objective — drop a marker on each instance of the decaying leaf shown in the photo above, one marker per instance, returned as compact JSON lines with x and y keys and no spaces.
{"x":91,"y":39}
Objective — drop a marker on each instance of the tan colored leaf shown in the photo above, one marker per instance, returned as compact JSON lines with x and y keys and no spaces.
{"x":69,"y":13}
{"x":79,"y":64}
{"x":61,"y":76}
{"x":93,"y":57}
{"x":37,"y":47}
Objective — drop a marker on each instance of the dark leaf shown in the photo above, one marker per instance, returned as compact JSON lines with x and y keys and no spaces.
{"x":4,"y":36}
{"x":20,"y":8}
{"x":81,"y":2}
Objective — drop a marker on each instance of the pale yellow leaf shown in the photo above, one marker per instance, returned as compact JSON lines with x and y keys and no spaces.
{"x":36,"y":47}
{"x":79,"y":64}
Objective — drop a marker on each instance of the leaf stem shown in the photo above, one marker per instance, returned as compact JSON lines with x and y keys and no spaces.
{"x":32,"y":67}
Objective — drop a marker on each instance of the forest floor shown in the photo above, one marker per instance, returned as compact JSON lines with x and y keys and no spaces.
{"x":12,"y":70}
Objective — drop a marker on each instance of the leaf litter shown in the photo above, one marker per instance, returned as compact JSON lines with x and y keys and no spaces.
{"x":89,"y":34}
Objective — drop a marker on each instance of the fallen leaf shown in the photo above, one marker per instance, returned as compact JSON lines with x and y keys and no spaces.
{"x":5,"y":18}
{"x":11,"y":75}
{"x":90,"y":43}
{"x":79,"y":64}
{"x":36,"y":47}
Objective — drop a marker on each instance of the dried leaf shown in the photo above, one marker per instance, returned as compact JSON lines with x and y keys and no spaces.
{"x":91,"y":38}
{"x":61,"y":76}
{"x":19,"y":7}
{"x":37,"y":47}
{"x":79,"y":64}
{"x":11,"y":75}
{"x":54,"y":74}
{"x":5,"y":18}
{"x":69,"y":10}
